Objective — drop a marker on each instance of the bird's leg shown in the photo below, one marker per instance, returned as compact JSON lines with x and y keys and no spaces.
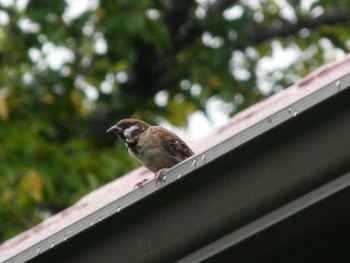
{"x":140,"y":183}
{"x":159,"y":175}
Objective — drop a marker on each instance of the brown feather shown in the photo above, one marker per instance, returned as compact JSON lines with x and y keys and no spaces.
{"x":173,"y":144}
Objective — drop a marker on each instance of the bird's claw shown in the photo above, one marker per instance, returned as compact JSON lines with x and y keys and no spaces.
{"x":158,"y":177}
{"x":140,"y":183}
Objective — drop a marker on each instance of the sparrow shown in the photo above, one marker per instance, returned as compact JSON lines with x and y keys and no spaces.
{"x":155,"y":147}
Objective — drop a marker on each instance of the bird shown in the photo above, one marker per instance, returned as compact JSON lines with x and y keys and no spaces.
{"x":155,"y":147}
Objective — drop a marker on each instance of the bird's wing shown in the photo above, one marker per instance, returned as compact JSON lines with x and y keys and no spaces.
{"x":173,"y":144}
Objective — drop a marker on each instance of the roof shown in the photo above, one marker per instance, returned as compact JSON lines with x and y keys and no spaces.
{"x":280,"y":158}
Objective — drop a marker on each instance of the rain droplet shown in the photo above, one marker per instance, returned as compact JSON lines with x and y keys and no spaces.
{"x":164,"y":178}
{"x":52,"y":245}
{"x":194,"y":164}
{"x":38,"y":250}
{"x":179,"y":176}
{"x":92,"y":223}
{"x":118,"y":209}
{"x":295,"y":114}
{"x":338,"y":85}
{"x":65,"y":238}
{"x":203,"y":158}
{"x":290,"y":110}
{"x":100,"y":219}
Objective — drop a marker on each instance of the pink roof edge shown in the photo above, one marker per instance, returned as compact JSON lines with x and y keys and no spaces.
{"x":119,"y":187}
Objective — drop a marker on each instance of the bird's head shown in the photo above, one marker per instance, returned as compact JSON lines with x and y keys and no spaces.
{"x":128,"y":129}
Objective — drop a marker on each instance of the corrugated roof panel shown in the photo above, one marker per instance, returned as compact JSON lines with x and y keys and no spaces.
{"x":249,"y":125}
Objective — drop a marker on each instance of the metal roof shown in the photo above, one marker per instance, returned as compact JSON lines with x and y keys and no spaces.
{"x":271,"y":189}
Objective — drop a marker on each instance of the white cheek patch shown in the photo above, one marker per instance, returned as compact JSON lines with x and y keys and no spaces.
{"x":128,"y":133}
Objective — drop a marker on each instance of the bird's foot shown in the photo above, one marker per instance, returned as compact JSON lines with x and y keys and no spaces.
{"x":158,"y":177}
{"x":140,"y":183}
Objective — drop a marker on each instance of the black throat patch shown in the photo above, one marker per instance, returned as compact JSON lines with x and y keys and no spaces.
{"x":133,"y":146}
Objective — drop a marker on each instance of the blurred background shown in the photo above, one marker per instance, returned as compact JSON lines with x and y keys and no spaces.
{"x":71,"y":69}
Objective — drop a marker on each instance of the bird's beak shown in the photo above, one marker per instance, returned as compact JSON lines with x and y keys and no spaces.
{"x":114,"y":129}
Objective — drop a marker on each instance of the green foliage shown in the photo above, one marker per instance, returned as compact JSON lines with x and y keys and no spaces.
{"x":65,"y":79}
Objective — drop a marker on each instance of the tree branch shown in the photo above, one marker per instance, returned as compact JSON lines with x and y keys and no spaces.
{"x":220,"y":6}
{"x":183,"y":32}
{"x":260,"y":34}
